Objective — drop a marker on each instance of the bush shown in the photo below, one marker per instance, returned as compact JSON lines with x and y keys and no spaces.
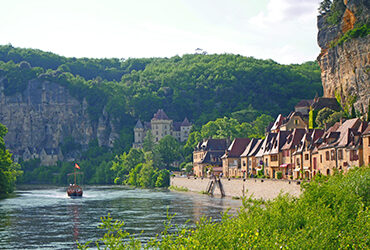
{"x":279,"y":175}
{"x":332,"y":213}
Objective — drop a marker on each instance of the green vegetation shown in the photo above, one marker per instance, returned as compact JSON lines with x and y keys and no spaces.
{"x":182,"y":189}
{"x":361,"y":31}
{"x":333,"y":9}
{"x":147,"y":169}
{"x":95,"y":163}
{"x":332,"y":213}
{"x":8,"y":169}
{"x":244,"y":90}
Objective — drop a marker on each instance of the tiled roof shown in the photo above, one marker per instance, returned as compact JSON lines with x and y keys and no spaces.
{"x":294,"y":138}
{"x":278,"y":122}
{"x":265,"y":144}
{"x":278,"y":142}
{"x":237,"y":147}
{"x":304,"y":103}
{"x":185,"y":123}
{"x":215,"y":155}
{"x":213,"y":144}
{"x":256,"y":148}
{"x":367,"y":130}
{"x":324,"y":102}
{"x":250,"y":147}
{"x":139,"y":124}
{"x":160,"y":115}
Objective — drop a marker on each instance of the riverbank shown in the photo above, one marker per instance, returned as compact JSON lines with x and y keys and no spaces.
{"x":260,"y":188}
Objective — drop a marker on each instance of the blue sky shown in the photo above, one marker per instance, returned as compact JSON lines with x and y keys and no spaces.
{"x":282,"y":30}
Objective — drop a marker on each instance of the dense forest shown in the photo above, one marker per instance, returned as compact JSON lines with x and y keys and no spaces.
{"x":201,"y":87}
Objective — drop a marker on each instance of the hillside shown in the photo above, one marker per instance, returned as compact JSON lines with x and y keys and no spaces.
{"x":114,"y":93}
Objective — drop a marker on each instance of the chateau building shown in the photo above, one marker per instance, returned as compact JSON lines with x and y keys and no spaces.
{"x":160,"y":126}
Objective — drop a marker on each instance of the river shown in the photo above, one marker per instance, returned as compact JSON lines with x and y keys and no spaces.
{"x":44,"y":217}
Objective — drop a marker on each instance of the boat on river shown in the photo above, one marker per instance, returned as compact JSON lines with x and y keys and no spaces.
{"x":75,"y":190}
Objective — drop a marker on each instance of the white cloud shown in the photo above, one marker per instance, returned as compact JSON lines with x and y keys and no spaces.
{"x":279,"y":11}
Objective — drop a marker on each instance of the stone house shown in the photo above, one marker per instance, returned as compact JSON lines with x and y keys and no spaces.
{"x":231,"y":163}
{"x":290,"y":147}
{"x":247,"y":158}
{"x":305,"y":157}
{"x":273,"y":156}
{"x":160,"y":126}
{"x":293,"y":121}
{"x":366,"y":145}
{"x":207,"y":155}
{"x":341,"y":147}
{"x":258,"y":155}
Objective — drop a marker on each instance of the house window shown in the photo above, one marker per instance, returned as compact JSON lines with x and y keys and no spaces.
{"x":332,"y":155}
{"x":156,"y":132}
{"x":295,"y":121}
{"x":306,"y":157}
{"x":298,"y":163}
{"x":340,"y":154}
{"x":244,"y":163}
{"x":273,"y":157}
{"x":353,"y":155}
{"x":320,"y":158}
{"x":327,"y":155}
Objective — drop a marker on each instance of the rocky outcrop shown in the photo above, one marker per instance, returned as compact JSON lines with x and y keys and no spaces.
{"x":41,"y":117}
{"x":345,"y":67}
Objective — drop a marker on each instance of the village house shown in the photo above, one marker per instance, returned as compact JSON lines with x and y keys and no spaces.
{"x":290,"y":147}
{"x":248,"y":162}
{"x":160,"y":126}
{"x":207,"y":156}
{"x":231,"y":164}
{"x":305,"y":157}
{"x":273,"y":157}
{"x":260,"y":168}
{"x":341,"y":147}
{"x":366,"y":146}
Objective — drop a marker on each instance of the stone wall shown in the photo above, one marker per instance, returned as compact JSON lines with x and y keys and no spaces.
{"x":41,"y":117}
{"x":345,"y":67}
{"x":259,"y":188}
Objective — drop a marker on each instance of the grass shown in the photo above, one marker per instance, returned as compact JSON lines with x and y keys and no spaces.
{"x":181,"y":189}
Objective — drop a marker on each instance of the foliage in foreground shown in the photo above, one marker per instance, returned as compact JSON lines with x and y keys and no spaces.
{"x":331,"y":213}
{"x":8,"y":169}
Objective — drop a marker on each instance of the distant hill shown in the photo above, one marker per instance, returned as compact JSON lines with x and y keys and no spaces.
{"x":200,"y":87}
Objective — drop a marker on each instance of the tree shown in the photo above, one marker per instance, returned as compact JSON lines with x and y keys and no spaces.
{"x":325,"y":6}
{"x":125,"y":162}
{"x":169,"y":150}
{"x":8,"y":169}
{"x":322,"y":115}
{"x":148,"y":142}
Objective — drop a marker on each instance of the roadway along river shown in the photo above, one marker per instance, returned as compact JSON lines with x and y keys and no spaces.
{"x":45,"y":217}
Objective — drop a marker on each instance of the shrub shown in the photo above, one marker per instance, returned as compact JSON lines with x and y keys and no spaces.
{"x":279,"y":175}
{"x":332,"y":213}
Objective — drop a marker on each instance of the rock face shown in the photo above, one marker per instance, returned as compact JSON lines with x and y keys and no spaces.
{"x":345,"y":67}
{"x":43,"y":116}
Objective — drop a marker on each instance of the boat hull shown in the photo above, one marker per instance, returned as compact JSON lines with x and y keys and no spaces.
{"x":74,"y":191}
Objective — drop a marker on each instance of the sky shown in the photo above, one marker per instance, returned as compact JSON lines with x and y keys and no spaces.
{"x":282,"y":30}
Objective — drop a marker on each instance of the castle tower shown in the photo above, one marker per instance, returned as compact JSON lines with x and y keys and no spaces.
{"x":185,"y":130}
{"x":139,"y":134}
{"x":161,"y":125}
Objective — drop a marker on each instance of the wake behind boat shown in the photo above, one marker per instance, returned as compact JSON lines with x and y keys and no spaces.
{"x":75,"y":190}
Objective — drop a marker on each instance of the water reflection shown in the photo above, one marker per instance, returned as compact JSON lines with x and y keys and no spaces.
{"x":47,"y":218}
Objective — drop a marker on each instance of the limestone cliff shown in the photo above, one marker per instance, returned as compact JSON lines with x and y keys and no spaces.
{"x":345,"y":67}
{"x":41,"y":117}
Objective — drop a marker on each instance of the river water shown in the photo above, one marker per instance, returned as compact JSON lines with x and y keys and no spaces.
{"x":46,"y":218}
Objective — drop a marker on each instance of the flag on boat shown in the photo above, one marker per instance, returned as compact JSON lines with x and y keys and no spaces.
{"x":76,"y":166}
